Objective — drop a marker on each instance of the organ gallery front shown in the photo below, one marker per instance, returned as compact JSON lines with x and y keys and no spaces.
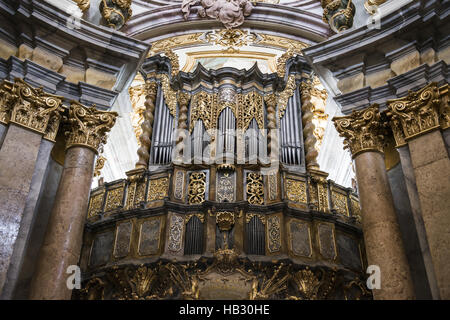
{"x":192,"y":150}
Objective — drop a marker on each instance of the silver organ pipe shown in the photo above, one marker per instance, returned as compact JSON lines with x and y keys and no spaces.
{"x":162,"y":144}
{"x":290,"y":134}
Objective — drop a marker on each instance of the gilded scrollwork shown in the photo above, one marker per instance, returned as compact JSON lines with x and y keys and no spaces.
{"x":95,"y":204}
{"x":196,"y":187}
{"x":285,"y":95}
{"x":444,"y":109}
{"x":200,"y":216}
{"x":170,"y":95}
{"x":88,"y":126}
{"x":340,"y":202}
{"x":114,"y":199}
{"x":415,"y":114}
{"x":158,"y":189}
{"x":173,"y":280}
{"x":363,"y":130}
{"x":99,"y":164}
{"x":255,"y":188}
{"x":83,"y":4}
{"x":296,"y":191}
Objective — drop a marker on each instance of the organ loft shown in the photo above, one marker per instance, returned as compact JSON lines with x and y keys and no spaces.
{"x":215,"y":150}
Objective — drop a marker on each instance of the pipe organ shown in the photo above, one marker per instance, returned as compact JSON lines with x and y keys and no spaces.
{"x":228,"y":200}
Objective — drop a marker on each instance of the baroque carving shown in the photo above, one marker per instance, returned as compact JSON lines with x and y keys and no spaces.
{"x":274,"y":234}
{"x":96,"y":203}
{"x":114,"y":199}
{"x":158,"y":189}
{"x":363,"y":130}
{"x":444,"y":110}
{"x":136,"y":189}
{"x":115,"y":12}
{"x":308,"y":125}
{"x":176,"y":230}
{"x":146,"y":123}
{"x":340,"y":203}
{"x":99,"y":164}
{"x":225,"y":186}
{"x":170,"y":95}
{"x":296,"y":191}
{"x":7,"y":98}
{"x":255,"y":188}
{"x":414,"y":114}
{"x":338,"y":14}
{"x":197,"y":187}
{"x":83,"y":4}
{"x":284,"y":96}
{"x":230,"y":12}
{"x":88,"y":126}
{"x":33,"y":108}
{"x":179,"y":185}
{"x":171,"y":280}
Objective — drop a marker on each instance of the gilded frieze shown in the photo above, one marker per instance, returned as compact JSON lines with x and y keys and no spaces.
{"x":340,"y":202}
{"x":254,"y":188}
{"x":274,"y":234}
{"x":114,"y":199}
{"x":197,"y":187}
{"x":96,"y":204}
{"x":176,"y":230}
{"x":158,"y":189}
{"x":296,"y":191}
{"x":136,"y":190}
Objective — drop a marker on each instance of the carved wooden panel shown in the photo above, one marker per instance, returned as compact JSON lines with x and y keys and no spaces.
{"x":149,"y":237}
{"x":123,"y":239}
{"x":300,"y":238}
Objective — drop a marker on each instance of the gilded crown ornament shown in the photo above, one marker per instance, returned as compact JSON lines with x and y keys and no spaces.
{"x":363,"y":130}
{"x":230,"y":12}
{"x":88,"y":126}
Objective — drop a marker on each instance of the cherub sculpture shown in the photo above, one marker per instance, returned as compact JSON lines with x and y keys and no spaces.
{"x":230,"y":12}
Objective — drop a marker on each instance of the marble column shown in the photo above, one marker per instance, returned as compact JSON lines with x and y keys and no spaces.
{"x":86,"y":131}
{"x":363,"y":135}
{"x":417,"y":120}
{"x":31,"y":115}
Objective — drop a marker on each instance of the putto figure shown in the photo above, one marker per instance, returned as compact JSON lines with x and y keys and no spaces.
{"x":230,"y":12}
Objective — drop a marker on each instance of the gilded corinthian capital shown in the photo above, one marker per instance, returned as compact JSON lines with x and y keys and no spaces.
{"x":87,"y":127}
{"x":363,"y":131}
{"x":415,"y":114}
{"x":33,"y":108}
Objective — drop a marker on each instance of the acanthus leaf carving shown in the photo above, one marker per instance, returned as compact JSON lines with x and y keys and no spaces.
{"x":87,"y":127}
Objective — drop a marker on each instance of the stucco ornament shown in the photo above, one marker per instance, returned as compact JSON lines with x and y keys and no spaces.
{"x":230,"y":12}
